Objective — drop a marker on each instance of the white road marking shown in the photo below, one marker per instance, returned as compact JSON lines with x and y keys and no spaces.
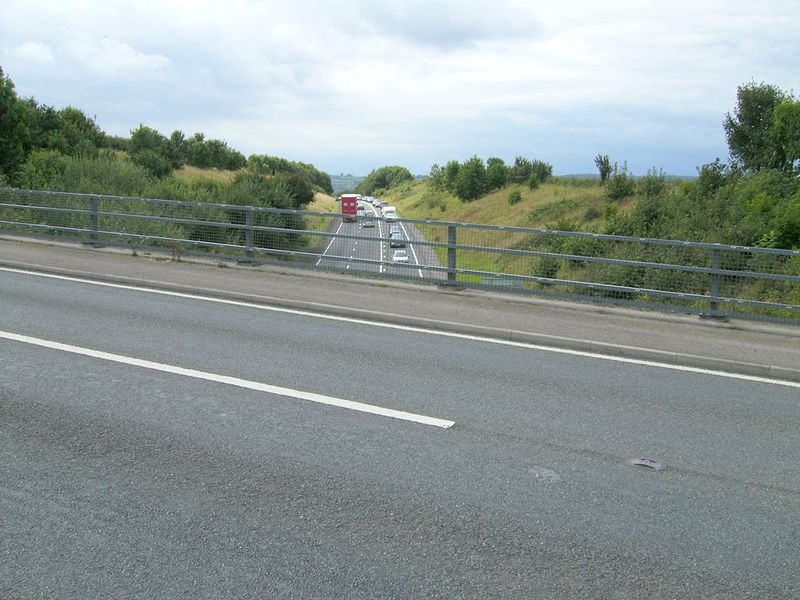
{"x":382,"y":268}
{"x":234,"y":381}
{"x":411,"y":246}
{"x":450,"y":334}
{"x":333,"y":239}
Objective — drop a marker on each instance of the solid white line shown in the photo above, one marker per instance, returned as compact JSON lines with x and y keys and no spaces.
{"x":234,"y":381}
{"x":410,"y":245}
{"x":450,"y":334}
{"x":333,"y":239}
{"x":382,"y":268}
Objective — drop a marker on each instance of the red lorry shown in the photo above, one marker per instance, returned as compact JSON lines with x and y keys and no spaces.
{"x":349,"y":206}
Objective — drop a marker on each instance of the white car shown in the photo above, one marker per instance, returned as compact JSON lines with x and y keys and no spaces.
{"x":400,"y":256}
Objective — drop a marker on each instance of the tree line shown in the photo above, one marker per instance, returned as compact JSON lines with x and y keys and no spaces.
{"x":474,"y":178}
{"x":28,"y":129}
{"x":754,"y":199}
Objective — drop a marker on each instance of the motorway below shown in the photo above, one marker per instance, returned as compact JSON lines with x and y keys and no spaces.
{"x":171,"y":478}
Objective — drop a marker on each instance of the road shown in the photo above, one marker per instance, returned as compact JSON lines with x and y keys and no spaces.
{"x":173,"y":478}
{"x":358,"y":248}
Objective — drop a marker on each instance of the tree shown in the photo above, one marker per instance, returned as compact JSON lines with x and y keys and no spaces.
{"x":197,"y":153}
{"x":520,"y":172}
{"x":154,"y":162}
{"x":710,"y":178}
{"x":496,"y":173}
{"x":384,"y":178}
{"x":82,"y":135}
{"x":621,"y":183}
{"x":147,"y":138}
{"x":604,"y":166}
{"x":542,"y":170}
{"x":471,"y":180}
{"x":436,"y":177}
{"x":749,"y":130}
{"x":151,"y":150}
{"x":263,"y":164}
{"x":179,"y":149}
{"x":653,"y":184}
{"x":451,"y":170}
{"x":13,"y":131}
{"x":786,"y":129}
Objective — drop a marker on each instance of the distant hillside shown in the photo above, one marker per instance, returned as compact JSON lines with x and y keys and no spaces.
{"x":345,"y":183}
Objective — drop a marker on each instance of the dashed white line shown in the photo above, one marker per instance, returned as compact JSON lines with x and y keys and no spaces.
{"x":382,"y":267}
{"x":333,"y":239}
{"x":233,"y":381}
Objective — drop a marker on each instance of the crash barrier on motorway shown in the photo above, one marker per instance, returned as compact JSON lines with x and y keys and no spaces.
{"x":708,"y":279}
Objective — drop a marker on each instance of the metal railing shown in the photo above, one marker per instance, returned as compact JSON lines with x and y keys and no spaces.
{"x":709,"y":279}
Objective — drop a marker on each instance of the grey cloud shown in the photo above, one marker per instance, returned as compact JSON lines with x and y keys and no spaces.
{"x":450,"y":24}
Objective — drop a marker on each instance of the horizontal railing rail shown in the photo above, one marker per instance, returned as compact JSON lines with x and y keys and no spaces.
{"x":704,"y":278}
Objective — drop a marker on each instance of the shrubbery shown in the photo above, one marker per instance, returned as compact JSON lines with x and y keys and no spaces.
{"x":620,"y":183}
{"x":473,"y":178}
{"x":383,"y":179}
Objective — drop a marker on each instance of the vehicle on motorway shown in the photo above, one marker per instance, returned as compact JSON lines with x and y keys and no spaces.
{"x":397,"y":240}
{"x":368,"y":222}
{"x":394,"y":229}
{"x":400,"y":256}
{"x":349,"y":206}
{"x":389,"y":213}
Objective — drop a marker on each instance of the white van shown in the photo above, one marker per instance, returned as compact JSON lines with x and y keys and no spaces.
{"x":389,"y":213}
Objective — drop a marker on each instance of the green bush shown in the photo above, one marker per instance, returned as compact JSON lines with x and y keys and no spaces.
{"x":621,"y":183}
{"x":384,"y":179}
{"x":471,"y":182}
{"x":654,"y":184}
{"x":156,"y":164}
{"x":514,"y":197}
{"x":592,"y":213}
{"x":546,"y":267}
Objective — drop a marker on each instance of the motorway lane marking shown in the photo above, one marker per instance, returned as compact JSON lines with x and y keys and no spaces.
{"x":411,"y":328}
{"x":333,"y":239}
{"x":233,"y":381}
{"x":382,"y":267}
{"x":411,"y":246}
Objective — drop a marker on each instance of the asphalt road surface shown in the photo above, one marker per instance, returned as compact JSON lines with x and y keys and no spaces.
{"x":168,"y":447}
{"x":358,"y":248}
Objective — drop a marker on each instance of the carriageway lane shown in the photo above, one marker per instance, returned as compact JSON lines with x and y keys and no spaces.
{"x":528,"y":494}
{"x":373,"y":245}
{"x":340,"y":251}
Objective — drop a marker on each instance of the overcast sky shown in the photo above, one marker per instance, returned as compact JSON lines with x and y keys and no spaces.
{"x":352,"y":85}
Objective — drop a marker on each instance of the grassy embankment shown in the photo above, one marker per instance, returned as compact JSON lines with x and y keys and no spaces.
{"x":570,"y":204}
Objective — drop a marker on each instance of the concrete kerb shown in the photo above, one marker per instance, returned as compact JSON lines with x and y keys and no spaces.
{"x":537,"y":339}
